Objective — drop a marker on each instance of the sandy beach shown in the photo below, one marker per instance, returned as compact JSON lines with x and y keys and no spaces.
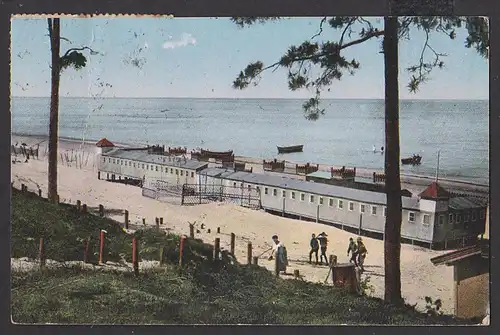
{"x":78,"y":181}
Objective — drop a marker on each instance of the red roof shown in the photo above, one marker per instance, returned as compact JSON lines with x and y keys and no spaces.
{"x":434,"y":191}
{"x":104,"y":143}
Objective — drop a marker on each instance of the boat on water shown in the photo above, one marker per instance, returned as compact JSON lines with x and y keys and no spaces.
{"x":216,"y":153}
{"x":290,"y":149}
{"x":415,"y":160}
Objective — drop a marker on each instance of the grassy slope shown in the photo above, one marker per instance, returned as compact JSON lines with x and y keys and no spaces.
{"x":201,"y":292}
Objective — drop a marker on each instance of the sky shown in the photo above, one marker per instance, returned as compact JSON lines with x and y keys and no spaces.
{"x":200,"y":57}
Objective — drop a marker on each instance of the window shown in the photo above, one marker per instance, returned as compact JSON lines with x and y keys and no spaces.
{"x":114,"y":162}
{"x":411,"y":217}
{"x":176,"y":172}
{"x":466,"y":217}
{"x":249,"y":187}
{"x":182,"y":172}
{"x":143,"y":166}
{"x":481,"y":214}
{"x":351,"y":206}
{"x":330,"y":202}
{"x":192,"y":174}
{"x":473,"y":216}
{"x":234,"y":184}
{"x":458,"y":218}
{"x":258,"y":189}
{"x":292,"y":195}
{"x":302,"y":196}
{"x":104,"y":160}
{"x":321,"y":200}
{"x":156,"y":167}
{"x":311,"y":198}
{"x":385,"y":212}
{"x":241,"y":185}
{"x":129,"y":163}
{"x":121,"y":162}
{"x":134,"y":164}
{"x":450,"y":218}
{"x":426,"y":219}
{"x":361,"y":208}
{"x":283,"y":194}
{"x":374,"y":210}
{"x":172,"y":171}
{"x":340,"y":204}
{"x":275,"y":192}
{"x":441,"y":219}
{"x":266,"y":190}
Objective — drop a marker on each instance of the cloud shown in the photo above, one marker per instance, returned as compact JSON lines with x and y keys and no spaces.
{"x":185,"y":40}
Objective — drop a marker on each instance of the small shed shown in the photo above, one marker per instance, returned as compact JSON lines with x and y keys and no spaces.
{"x":471,"y":279}
{"x":104,"y":145}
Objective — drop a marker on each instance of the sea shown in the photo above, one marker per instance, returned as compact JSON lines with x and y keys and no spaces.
{"x":344,"y":136}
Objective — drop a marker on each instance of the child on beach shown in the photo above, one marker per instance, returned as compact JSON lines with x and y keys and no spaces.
{"x":323,"y":243}
{"x":362,"y":251}
{"x":353,"y":248}
{"x":314,"y":248}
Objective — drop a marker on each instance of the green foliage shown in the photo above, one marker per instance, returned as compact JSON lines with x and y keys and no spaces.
{"x":433,"y":307}
{"x":74,"y":59}
{"x":306,"y":60}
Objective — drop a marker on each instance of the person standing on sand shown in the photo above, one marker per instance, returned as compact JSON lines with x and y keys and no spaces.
{"x":314,"y":248}
{"x":353,"y":247}
{"x":362,"y":251}
{"x":279,"y":251}
{"x":323,"y":243}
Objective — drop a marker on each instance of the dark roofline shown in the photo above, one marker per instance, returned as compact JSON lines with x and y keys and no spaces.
{"x":461,"y":254}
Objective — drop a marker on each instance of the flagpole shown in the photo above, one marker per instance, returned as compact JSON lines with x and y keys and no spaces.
{"x":437,"y":167}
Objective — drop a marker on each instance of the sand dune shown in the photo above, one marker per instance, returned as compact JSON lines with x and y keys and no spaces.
{"x":419,"y":277}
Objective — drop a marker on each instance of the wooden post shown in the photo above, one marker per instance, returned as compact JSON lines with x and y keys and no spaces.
{"x":217,"y":249}
{"x":233,"y":238}
{"x":277,"y":266}
{"x":23,"y":188}
{"x":283,"y":208}
{"x":255,"y":260}
{"x":135,"y":256}
{"x":101,"y":210}
{"x":41,"y":253}
{"x":360,"y":224}
{"x":126,"y":219}
{"x":218,"y":230}
{"x":78,"y":205}
{"x":161,"y":220}
{"x":143,"y":221}
{"x":249,"y":253}
{"x":317,"y":213}
{"x":84,"y":208}
{"x":191,"y":230}
{"x":86,"y":250}
{"x":157,"y":221}
{"x":163,"y":252}
{"x":332,"y":260}
{"x":40,"y":193}
{"x":101,"y":248}
{"x":181,"y":249}
{"x":98,"y":175}
{"x":374,"y":176}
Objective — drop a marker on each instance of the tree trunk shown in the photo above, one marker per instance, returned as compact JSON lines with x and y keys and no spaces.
{"x":55,"y":34}
{"x":392,"y":232}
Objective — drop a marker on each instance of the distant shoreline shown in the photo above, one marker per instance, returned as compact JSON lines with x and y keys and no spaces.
{"x":366,"y":172}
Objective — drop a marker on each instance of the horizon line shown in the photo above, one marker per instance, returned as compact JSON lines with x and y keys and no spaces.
{"x":253,"y":98}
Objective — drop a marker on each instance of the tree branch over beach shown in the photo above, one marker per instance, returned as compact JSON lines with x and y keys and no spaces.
{"x":73,"y":58}
{"x":314,"y":66}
